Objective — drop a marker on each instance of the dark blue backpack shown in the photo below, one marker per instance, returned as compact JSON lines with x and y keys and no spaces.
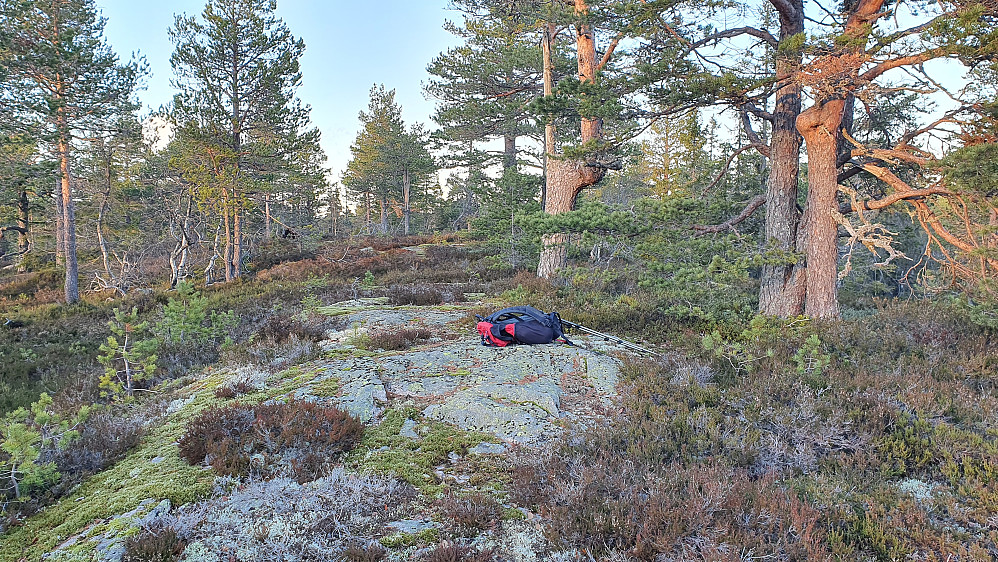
{"x":520,"y":324}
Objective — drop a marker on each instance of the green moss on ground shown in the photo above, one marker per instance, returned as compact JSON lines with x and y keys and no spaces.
{"x":383,"y":450}
{"x":154,"y":470}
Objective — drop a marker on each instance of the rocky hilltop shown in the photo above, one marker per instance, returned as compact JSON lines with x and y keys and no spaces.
{"x":441,"y":419}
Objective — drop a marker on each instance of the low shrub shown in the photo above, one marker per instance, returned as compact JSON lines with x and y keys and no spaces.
{"x":469,"y":515}
{"x":396,"y":338}
{"x":364,"y":552}
{"x":449,"y":552}
{"x":419,"y":295}
{"x":232,"y":390}
{"x":236,"y":439}
{"x":104,"y":439}
{"x":278,"y":328}
{"x":611,"y":502}
{"x":158,"y":544}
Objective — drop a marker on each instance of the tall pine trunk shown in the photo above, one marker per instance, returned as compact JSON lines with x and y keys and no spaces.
{"x":237,"y":241}
{"x":781,"y":291}
{"x":227,"y":248}
{"x":819,"y":125}
{"x":405,"y":197}
{"x":60,"y":229}
{"x":24,"y":229}
{"x":72,"y":283}
{"x":566,"y":178}
{"x":509,"y":152}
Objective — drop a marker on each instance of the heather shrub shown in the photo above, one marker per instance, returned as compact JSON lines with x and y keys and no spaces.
{"x":450,"y":552}
{"x":395,"y":339}
{"x":279,"y":328}
{"x":232,"y":390}
{"x":156,"y":544}
{"x":222,"y":436}
{"x":363,"y":552}
{"x":468,"y":515}
{"x":419,"y":295}
{"x":665,"y":512}
{"x":300,"y":437}
{"x":106,"y":436}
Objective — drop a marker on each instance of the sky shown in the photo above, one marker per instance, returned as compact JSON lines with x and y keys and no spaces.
{"x":349,"y":47}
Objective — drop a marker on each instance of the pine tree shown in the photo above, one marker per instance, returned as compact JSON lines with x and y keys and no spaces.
{"x":64,"y":79}
{"x":484,"y":86}
{"x":129,"y":356}
{"x":237,"y":70}
{"x":388,"y":160}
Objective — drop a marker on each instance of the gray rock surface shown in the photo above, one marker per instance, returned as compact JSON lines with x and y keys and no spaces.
{"x":517,"y":393}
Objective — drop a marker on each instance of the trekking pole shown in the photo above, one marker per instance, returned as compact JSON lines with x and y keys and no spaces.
{"x":607,"y":337}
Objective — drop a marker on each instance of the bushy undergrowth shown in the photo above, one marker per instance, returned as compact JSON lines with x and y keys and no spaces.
{"x":450,"y":552}
{"x":300,"y":437}
{"x":395,"y":339}
{"x":470,"y":514}
{"x":872,"y":438}
{"x":156,"y":544}
{"x":44,"y":455}
{"x":419,"y":295}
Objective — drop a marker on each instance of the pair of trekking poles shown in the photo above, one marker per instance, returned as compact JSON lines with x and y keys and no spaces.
{"x":607,"y":337}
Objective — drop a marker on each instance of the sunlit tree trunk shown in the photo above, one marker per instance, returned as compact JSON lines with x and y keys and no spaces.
{"x":566,"y":178}
{"x":819,"y":125}
{"x":405,"y":196}
{"x":71,"y":286}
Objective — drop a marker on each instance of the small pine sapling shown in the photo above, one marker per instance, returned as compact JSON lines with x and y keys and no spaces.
{"x":187,"y":321}
{"x":129,"y":356}
{"x":25,"y":434}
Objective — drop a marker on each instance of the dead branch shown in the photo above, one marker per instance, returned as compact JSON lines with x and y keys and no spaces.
{"x":750,"y":208}
{"x":724,"y":168}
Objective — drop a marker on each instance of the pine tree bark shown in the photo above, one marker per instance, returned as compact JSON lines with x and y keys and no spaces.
{"x":237,"y":242}
{"x":509,"y":153}
{"x":781,"y":291}
{"x":227,"y":248}
{"x":405,"y":196}
{"x":819,"y":126}
{"x":24,"y":229}
{"x":60,"y":230}
{"x":567,"y":178}
{"x":72,"y":284}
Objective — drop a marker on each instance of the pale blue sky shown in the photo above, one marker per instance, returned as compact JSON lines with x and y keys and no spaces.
{"x":349,"y":46}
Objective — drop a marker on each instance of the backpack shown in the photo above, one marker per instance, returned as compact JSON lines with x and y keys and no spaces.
{"x":520,"y":324}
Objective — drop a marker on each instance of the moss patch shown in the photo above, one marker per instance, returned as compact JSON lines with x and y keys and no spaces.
{"x":405,"y":540}
{"x":326,"y":387}
{"x":383,"y":450}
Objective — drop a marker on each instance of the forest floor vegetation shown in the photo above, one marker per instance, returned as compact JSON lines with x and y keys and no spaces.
{"x":324,"y":382}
